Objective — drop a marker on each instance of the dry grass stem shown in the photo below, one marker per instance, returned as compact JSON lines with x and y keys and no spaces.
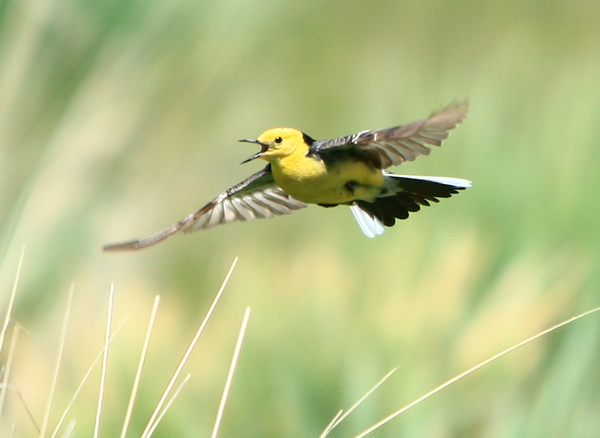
{"x":9,"y":362}
{"x":86,"y":376}
{"x":471,"y":370}
{"x":232,"y":367}
{"x":61,"y":345}
{"x":138,"y":374}
{"x":330,"y":425}
{"x":111,"y":300}
{"x":168,"y":405}
{"x":69,"y":430}
{"x":339,"y":417}
{"x":23,"y":402}
{"x":188,"y":352}
{"x":11,"y":301}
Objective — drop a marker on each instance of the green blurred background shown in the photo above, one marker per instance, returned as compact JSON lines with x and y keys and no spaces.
{"x":118,"y":118}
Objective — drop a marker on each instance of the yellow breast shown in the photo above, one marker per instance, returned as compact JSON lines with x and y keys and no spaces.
{"x":308,"y":179}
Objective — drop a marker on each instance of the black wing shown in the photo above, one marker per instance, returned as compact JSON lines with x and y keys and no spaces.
{"x":254,"y":198}
{"x":393,"y":146}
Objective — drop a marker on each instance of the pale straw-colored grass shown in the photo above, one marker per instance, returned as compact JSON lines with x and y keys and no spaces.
{"x":172,"y":390}
{"x":232,"y":367}
{"x":138,"y":373}
{"x":169,"y":394}
{"x":471,"y":370}
{"x":160,"y":405}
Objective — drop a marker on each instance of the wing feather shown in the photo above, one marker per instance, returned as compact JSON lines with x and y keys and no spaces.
{"x":259,"y":208}
{"x":256,"y":197}
{"x":244,"y":211}
{"x":401,"y":143}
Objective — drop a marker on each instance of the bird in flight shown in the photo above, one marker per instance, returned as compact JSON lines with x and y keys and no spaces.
{"x":343,"y":171}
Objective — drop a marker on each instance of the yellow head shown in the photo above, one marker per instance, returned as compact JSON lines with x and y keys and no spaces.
{"x":279,"y":143}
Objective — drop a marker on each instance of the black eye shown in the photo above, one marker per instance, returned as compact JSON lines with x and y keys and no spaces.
{"x":278,"y":139}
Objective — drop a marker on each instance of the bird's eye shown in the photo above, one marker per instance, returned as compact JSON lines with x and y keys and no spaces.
{"x":278,"y":139}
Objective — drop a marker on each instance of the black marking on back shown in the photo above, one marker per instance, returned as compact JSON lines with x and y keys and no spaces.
{"x":308,"y":139}
{"x":331,"y":157}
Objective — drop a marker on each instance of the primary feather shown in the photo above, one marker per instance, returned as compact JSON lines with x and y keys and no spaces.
{"x":394,"y":146}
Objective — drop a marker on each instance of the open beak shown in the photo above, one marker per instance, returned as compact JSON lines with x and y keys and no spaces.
{"x":264,"y":148}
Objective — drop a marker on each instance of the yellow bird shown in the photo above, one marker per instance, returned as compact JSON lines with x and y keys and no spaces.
{"x":342,"y":171}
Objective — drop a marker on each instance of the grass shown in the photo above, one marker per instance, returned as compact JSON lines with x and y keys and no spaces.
{"x":119,"y":118}
{"x":169,"y":394}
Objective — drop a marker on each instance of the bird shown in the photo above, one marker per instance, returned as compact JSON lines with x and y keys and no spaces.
{"x":349,"y":170}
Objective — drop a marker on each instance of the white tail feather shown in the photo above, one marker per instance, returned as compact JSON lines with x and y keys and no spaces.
{"x":369,"y":225}
{"x":455,"y":182}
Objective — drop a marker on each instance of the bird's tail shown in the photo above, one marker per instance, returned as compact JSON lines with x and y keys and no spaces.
{"x":405,"y":194}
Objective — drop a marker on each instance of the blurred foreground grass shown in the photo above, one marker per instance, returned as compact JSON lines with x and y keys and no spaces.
{"x":118,"y":118}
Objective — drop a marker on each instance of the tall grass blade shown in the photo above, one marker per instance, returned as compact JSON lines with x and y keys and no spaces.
{"x":188,"y":352}
{"x":63,"y":335}
{"x":471,"y":370}
{"x":9,"y":362}
{"x":341,"y":415}
{"x":168,"y":405}
{"x":23,"y":402}
{"x":232,"y":367}
{"x":86,"y":376}
{"x":11,"y":300}
{"x":111,"y":299}
{"x":138,"y":374}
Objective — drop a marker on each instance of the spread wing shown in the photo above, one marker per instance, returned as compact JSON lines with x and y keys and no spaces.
{"x":393,"y":146}
{"x":254,"y":198}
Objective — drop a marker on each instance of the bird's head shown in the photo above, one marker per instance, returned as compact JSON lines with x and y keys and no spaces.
{"x":279,"y":143}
